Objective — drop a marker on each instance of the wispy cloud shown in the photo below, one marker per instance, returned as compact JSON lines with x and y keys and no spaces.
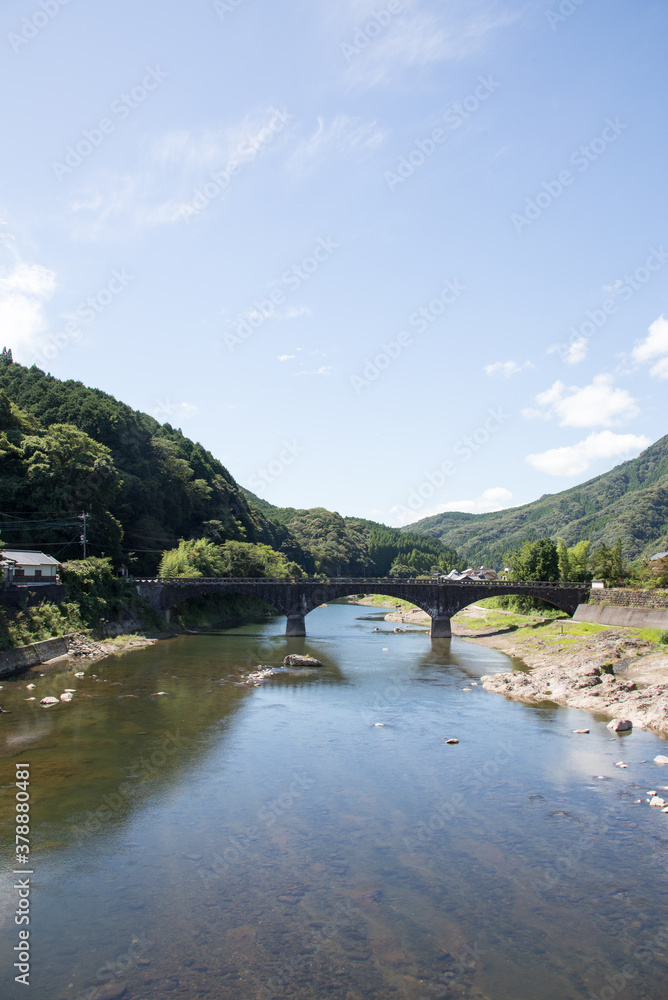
{"x":414,"y":37}
{"x":573,"y":460}
{"x":599,"y":404}
{"x":170,"y":171}
{"x":343,"y":136}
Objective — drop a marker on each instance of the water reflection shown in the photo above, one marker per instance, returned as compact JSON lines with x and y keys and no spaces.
{"x":315,"y":835}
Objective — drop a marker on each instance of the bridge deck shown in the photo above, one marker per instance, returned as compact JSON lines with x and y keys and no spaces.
{"x":296,"y":598}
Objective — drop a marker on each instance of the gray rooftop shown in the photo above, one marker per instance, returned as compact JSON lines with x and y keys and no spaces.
{"x":29,"y":558}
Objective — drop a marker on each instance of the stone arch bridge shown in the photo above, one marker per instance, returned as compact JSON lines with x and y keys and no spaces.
{"x":295,"y":599}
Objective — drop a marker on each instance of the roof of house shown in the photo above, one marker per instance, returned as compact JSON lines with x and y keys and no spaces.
{"x":29,"y":558}
{"x":658,"y":555}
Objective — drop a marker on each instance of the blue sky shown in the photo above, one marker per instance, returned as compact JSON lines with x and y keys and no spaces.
{"x":387,"y":258}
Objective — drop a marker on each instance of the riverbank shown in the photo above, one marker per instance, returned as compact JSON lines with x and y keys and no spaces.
{"x":610,"y":670}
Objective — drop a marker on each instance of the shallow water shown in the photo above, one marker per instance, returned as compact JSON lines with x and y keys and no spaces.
{"x":312,"y":835}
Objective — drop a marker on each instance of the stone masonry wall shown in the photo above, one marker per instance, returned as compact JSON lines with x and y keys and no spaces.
{"x":618,"y":598}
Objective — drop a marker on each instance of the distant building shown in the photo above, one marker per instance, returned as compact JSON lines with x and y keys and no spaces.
{"x":473,"y":575}
{"x":657,"y":556}
{"x":28,"y":567}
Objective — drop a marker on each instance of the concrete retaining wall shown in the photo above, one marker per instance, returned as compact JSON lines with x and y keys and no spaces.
{"x":618,"y":597}
{"x":636,"y":617}
{"x":23,"y":657}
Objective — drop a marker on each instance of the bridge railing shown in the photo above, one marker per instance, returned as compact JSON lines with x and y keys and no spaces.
{"x":362,"y":582}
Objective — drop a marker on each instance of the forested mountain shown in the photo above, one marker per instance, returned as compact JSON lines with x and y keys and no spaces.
{"x":65,"y":448}
{"x":629,"y":502}
{"x":352,"y":546}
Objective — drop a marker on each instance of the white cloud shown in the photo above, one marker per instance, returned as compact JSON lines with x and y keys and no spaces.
{"x":597,"y":405}
{"x":654,"y":346}
{"x":496,"y":498}
{"x":25,"y":290}
{"x":344,"y":136}
{"x":413,"y":38}
{"x":577,"y":351}
{"x":286,"y":357}
{"x":294,"y":312}
{"x":506,"y":368}
{"x":170,"y":412}
{"x":323,"y":370}
{"x":575,"y":459}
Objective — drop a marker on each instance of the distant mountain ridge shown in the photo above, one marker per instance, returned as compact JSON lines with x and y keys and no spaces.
{"x":629,"y":502}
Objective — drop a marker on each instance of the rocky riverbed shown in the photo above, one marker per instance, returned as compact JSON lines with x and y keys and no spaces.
{"x":611,"y":671}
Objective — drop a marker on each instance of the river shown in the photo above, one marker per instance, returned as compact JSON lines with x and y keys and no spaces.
{"x":312,"y":835}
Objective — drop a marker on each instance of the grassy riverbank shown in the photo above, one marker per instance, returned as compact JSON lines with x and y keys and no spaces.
{"x":610,"y":670}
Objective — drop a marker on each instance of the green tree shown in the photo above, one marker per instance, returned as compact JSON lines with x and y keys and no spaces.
{"x":608,"y":563}
{"x":578,"y":557}
{"x":564,"y":560}
{"x":535,"y":561}
{"x":201,"y":557}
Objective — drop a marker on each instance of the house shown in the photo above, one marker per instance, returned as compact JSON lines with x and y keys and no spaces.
{"x":470,"y":574}
{"x":28,"y":567}
{"x":657,"y":556}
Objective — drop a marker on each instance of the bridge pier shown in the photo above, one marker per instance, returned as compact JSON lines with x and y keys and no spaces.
{"x":441,"y":628}
{"x":296,"y":626}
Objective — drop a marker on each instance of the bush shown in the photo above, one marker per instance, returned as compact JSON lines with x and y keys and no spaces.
{"x":663,"y":638}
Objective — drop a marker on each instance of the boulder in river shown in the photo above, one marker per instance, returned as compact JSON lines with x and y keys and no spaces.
{"x":110,"y":991}
{"x":620,"y":725}
{"x":49,"y":702}
{"x":294,"y":660}
{"x":661,"y":759}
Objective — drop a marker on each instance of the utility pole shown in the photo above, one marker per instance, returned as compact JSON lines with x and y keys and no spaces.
{"x":84,"y":538}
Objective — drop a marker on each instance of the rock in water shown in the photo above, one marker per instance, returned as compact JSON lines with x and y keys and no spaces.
{"x":657,"y":802}
{"x":110,"y":991}
{"x":661,"y":759}
{"x":293,"y":660}
{"x":48,"y":702}
{"x":452,"y":743}
{"x":620,"y":725}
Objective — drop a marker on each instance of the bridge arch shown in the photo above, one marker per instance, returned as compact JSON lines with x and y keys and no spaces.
{"x":296,"y":599}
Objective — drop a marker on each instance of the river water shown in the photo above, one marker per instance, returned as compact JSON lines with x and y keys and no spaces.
{"x":312,"y":835}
